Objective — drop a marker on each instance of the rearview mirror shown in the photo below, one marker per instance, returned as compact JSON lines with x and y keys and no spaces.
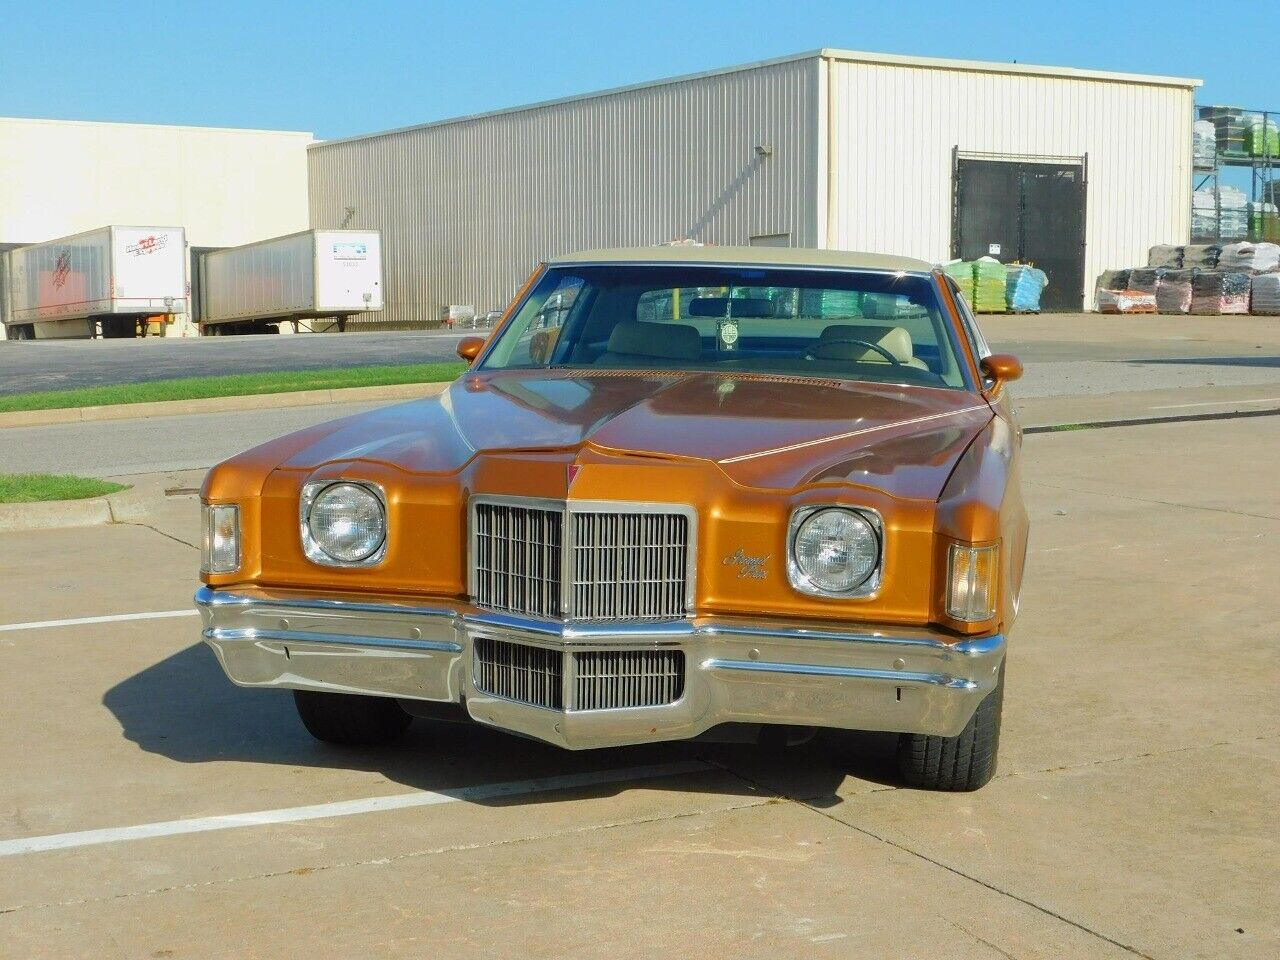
{"x":1002,"y":367}
{"x":469,"y":348}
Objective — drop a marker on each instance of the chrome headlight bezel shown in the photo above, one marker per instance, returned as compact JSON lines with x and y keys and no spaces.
{"x":311,"y":491}
{"x":801,"y":581}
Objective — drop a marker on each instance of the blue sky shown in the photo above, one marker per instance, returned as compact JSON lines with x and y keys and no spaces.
{"x":342,"y":68}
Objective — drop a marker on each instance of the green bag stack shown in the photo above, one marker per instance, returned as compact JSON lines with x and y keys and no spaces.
{"x":989,"y":280}
{"x":961,"y":271}
{"x":1262,"y":137}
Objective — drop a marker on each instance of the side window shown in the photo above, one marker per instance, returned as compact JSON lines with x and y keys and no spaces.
{"x":540,"y":322}
{"x":977,"y":342}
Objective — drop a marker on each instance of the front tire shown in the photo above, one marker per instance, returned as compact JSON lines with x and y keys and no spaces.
{"x":349,"y":720}
{"x":961,"y":763}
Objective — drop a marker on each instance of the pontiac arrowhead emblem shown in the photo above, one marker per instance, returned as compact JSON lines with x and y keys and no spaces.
{"x":573,"y":472}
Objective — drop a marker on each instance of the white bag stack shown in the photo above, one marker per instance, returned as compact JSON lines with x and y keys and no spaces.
{"x":1258,"y":257}
{"x":1204,"y":140}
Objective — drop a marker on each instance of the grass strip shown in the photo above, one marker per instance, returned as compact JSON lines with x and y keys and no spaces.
{"x":236,"y":385}
{"x":38,"y":487}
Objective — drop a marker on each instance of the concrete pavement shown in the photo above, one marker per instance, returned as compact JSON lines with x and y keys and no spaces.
{"x":67,"y":364}
{"x":1131,"y":816}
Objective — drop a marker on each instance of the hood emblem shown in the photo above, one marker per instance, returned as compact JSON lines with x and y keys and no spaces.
{"x":749,"y":568}
{"x":572,"y":471}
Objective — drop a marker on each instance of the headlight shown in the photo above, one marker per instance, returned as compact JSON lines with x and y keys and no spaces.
{"x":219,"y":538}
{"x":834,"y":552}
{"x":343,"y":524}
{"x":971,"y":582}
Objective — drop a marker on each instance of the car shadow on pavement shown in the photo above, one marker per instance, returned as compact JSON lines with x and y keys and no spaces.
{"x":185,"y":709}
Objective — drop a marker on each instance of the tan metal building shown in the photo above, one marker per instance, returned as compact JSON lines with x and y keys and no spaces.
{"x":1078,"y":170}
{"x":224,"y":186}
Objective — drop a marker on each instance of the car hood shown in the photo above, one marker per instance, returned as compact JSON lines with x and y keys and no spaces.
{"x":768,"y":432}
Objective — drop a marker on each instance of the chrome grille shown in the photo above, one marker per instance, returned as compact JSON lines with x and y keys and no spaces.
{"x":629,"y":566}
{"x":612,"y":679}
{"x":516,"y":555}
{"x":518,"y":672}
{"x":620,"y":562}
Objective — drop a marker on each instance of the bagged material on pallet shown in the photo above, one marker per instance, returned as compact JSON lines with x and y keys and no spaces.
{"x":1265,"y":295}
{"x":961,"y":271}
{"x":1165,"y":255}
{"x":1216,"y":292}
{"x":1204,"y":144}
{"x":1264,"y":221}
{"x":988,"y":285}
{"x":1109,"y":280}
{"x":1204,"y":214}
{"x":1126,"y":301}
{"x":1233,"y":214}
{"x":1145,"y":279}
{"x":1258,"y":257}
{"x":1173,"y":291}
{"x":1220,"y":214}
{"x":1202,"y":255}
{"x":1261,"y":136}
{"x":1023,"y":286}
{"x":1229,"y":126}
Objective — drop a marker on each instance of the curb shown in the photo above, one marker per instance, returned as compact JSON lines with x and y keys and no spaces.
{"x":54,"y":514}
{"x":255,"y":401}
{"x":134,"y":504}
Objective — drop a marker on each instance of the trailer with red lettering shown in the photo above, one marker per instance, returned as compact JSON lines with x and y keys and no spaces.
{"x":115,"y":281}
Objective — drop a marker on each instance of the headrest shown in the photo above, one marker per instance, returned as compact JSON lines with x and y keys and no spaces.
{"x":671,"y":341}
{"x":742,"y":307}
{"x":894,"y":339}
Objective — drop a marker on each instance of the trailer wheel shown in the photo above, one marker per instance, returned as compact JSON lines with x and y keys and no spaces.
{"x":23,"y":331}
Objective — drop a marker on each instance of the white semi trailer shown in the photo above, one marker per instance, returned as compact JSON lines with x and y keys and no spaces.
{"x":313,"y":275}
{"x":114,"y":280}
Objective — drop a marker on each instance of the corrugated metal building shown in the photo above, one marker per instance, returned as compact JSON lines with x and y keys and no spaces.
{"x":1079,"y":170}
{"x":224,"y":186}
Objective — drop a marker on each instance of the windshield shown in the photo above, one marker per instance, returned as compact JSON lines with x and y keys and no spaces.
{"x":842,"y":324}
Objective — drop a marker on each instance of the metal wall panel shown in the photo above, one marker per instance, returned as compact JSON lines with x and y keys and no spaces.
{"x":467,"y":208}
{"x":893,"y":128}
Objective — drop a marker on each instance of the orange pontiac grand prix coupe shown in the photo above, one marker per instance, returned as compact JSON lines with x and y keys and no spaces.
{"x":678,"y":488}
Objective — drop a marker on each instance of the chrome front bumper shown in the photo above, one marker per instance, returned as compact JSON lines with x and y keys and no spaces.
{"x":737,"y":670}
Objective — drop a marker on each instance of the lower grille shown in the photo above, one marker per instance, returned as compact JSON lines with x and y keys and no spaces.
{"x":613,"y":679}
{"x":602,"y":679}
{"x":517,"y":672}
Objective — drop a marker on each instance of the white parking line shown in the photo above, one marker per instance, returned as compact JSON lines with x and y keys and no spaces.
{"x":81,"y":621}
{"x":1214,"y":403}
{"x":343,"y":808}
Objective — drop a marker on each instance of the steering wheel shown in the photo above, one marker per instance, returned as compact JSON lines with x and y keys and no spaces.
{"x":811,"y":353}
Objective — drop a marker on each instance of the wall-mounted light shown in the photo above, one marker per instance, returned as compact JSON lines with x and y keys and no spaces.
{"x":764,"y":150}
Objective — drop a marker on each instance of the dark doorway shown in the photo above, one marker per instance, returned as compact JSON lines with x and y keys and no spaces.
{"x":1029,"y":209}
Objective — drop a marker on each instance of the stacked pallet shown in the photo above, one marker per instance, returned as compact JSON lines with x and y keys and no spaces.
{"x":1229,"y":127}
{"x":1265,"y":298}
{"x":1204,"y":145}
{"x":1173,"y":291}
{"x":1126,"y":301}
{"x":989,"y":281}
{"x":961,"y":271}
{"x":1023,"y":286}
{"x":1215,"y":292}
{"x":1261,"y":136}
{"x":1250,"y":257}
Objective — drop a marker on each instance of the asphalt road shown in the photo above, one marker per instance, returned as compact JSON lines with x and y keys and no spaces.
{"x":1153,"y":361}
{"x":66,"y":364}
{"x":1050,"y":338}
{"x":151,"y":809}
